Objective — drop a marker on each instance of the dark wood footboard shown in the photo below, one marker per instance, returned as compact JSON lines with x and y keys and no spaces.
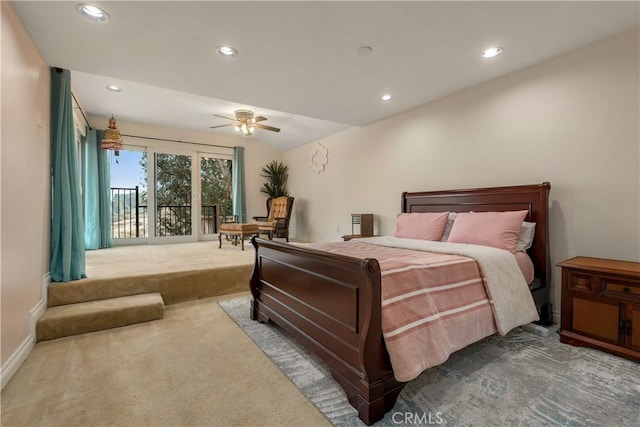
{"x":332,"y":304}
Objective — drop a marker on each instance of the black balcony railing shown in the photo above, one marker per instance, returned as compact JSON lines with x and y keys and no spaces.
{"x":173,"y":220}
{"x":129,"y":219}
{"x":209,"y":219}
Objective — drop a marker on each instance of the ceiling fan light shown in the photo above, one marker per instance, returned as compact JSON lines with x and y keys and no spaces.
{"x":245,"y":122}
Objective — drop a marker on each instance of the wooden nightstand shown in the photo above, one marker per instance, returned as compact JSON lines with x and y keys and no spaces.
{"x":601,"y":305}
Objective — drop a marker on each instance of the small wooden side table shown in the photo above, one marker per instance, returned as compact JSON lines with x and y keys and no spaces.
{"x":601,"y":305}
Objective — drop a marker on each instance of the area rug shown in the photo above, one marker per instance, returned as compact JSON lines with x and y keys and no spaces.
{"x":522,"y":379}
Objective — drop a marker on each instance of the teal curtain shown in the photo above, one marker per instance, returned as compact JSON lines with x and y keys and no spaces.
{"x":67,"y":225}
{"x":97,"y":200}
{"x":239,"y":201}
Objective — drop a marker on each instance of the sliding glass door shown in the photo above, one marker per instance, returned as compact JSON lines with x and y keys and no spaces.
{"x":215,"y":193}
{"x":189,"y":194}
{"x":173,"y":194}
{"x":129,"y":213}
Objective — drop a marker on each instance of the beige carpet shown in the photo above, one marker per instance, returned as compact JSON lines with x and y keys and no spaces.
{"x":195,"y":367}
{"x":139,"y":260}
{"x":179,"y":272}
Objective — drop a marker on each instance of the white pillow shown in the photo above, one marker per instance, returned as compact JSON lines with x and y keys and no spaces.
{"x":525,"y":236}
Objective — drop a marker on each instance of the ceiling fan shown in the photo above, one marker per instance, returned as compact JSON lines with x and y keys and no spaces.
{"x":245,"y":122}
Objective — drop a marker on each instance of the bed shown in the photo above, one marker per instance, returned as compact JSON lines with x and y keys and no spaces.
{"x":342,"y":324}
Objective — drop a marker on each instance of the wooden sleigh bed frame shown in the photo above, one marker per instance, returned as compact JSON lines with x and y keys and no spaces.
{"x":332,"y":303}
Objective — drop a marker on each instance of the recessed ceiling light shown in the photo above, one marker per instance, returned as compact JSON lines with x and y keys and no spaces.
{"x":227,"y":51}
{"x":385,"y":97}
{"x":491,"y":52}
{"x":92,"y":13}
{"x":114,"y":88}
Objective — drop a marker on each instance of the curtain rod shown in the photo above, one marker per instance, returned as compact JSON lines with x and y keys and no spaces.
{"x":177,"y":140}
{"x":147,"y":137}
{"x":81,"y":112}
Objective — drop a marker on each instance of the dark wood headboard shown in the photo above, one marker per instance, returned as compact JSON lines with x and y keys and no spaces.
{"x":533,"y":198}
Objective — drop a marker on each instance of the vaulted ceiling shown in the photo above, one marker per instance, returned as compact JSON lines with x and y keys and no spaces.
{"x":312,"y":68}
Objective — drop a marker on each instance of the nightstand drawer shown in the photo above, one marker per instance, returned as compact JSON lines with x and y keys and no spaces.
{"x":580,"y":281}
{"x":611,"y":284}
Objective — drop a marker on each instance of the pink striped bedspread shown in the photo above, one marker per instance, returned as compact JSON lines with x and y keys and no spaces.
{"x":433,"y":304}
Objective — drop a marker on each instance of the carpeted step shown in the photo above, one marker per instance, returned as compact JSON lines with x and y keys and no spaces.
{"x":175,"y":287}
{"x":73,"y":319}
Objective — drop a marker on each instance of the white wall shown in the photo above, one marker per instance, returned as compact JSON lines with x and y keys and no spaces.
{"x":572,"y":120}
{"x":25,"y":188}
{"x":256,"y":153}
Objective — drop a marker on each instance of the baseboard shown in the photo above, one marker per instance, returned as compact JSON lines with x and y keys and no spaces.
{"x":16,"y":359}
{"x":20,"y":355}
{"x":44,"y":290}
{"x":34,"y":315}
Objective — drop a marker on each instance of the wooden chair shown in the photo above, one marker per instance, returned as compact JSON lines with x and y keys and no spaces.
{"x":276,"y":223}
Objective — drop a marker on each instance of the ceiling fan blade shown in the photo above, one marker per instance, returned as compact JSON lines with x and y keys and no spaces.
{"x":259,"y":119}
{"x":271,"y":128}
{"x":224,"y":117}
{"x":221,"y":126}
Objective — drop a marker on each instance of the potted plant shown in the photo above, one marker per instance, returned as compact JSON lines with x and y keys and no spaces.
{"x":277,"y":174}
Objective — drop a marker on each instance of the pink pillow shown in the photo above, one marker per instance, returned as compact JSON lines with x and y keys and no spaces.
{"x":423,"y":226}
{"x":496,"y":229}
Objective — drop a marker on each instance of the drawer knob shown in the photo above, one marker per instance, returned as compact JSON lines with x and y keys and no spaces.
{"x":626,"y":289}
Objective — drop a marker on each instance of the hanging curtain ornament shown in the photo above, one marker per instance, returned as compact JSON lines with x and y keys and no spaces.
{"x":112,"y":139}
